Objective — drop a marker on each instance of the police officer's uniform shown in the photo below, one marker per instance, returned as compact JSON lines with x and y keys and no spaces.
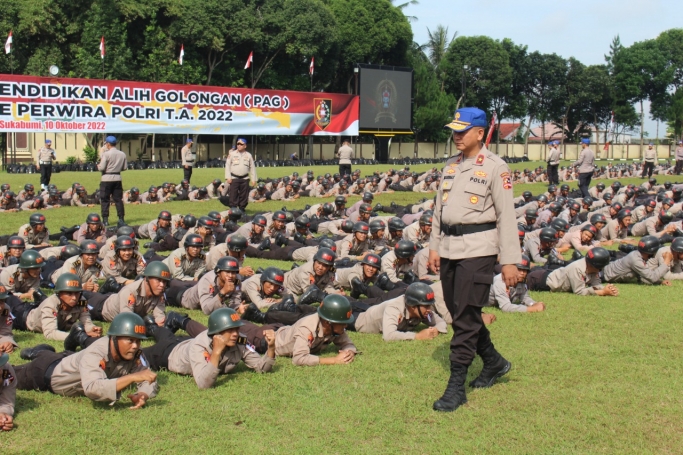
{"x":239,"y":167}
{"x":188,"y":157}
{"x":45,"y":156}
{"x":113,"y":163}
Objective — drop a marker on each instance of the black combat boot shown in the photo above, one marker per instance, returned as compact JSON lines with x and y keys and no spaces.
{"x":280,"y":239}
{"x":312,"y":295}
{"x":32,"y":353}
{"x":176,"y":321}
{"x":121,"y":222}
{"x":105,"y":221}
{"x":358,"y":288}
{"x":253,"y":314}
{"x":454,"y":396}
{"x":553,"y":260}
{"x":76,"y":338}
{"x":286,"y":304}
{"x":384,"y":283}
{"x":576,"y":255}
{"x":378,"y":207}
{"x":409,"y":277}
{"x":265,"y":244}
{"x":110,"y":286}
{"x":495,"y":366}
{"x":626,"y":248}
{"x":38,"y":297}
{"x":151,"y":325}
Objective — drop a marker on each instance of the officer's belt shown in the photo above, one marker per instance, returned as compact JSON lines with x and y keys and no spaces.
{"x":44,"y":162}
{"x":457,"y":230}
{"x":111,"y":173}
{"x":47,"y":377}
{"x":239,"y":176}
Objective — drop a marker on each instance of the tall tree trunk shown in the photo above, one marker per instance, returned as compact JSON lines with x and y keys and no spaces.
{"x":642,"y":126}
{"x":545,"y":152}
{"x":597,"y":135}
{"x":526,"y":137}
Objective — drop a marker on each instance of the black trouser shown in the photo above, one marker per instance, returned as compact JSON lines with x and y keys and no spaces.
{"x":45,"y":174}
{"x":239,"y":192}
{"x":536,"y":280}
{"x":553,"y":176}
{"x":648,"y":168}
{"x":254,"y":334}
{"x":397,"y":187}
{"x":36,"y":374}
{"x":585,"y":182}
{"x":679,"y":167}
{"x":187,"y":173}
{"x":168,"y":243}
{"x":344,"y":169}
{"x":51,"y":266}
{"x":175,"y":290}
{"x":166,"y":341}
{"x":20,"y":311}
{"x":96,"y":304}
{"x":115,"y":190}
{"x":466,"y":284}
{"x":275,"y":252}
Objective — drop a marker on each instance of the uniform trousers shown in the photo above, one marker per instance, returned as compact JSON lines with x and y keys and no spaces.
{"x":553,"y":176}
{"x":679,"y":167}
{"x":585,"y":182}
{"x":466,"y":284}
{"x":648,"y":168}
{"x":536,"y":280}
{"x":45,"y":174}
{"x":344,"y":169}
{"x":36,"y":374}
{"x":187,"y":173}
{"x":115,"y":191}
{"x":166,"y":341}
{"x":239,"y":193}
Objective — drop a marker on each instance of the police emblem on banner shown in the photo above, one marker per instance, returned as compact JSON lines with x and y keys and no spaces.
{"x":386,"y":101}
{"x":322,"y":110}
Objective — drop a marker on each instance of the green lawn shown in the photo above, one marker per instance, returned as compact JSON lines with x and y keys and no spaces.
{"x":590,"y":375}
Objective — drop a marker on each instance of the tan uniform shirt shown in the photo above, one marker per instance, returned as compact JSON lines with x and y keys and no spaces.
{"x":113,"y":266}
{"x":304,"y":338}
{"x":304,"y":254}
{"x":343,"y":277}
{"x":6,"y":324}
{"x":46,"y":155}
{"x":84,"y":233}
{"x":253,"y":292}
{"x":350,"y":247}
{"x":240,"y":164}
{"x":393,"y":270}
{"x":206,"y":295}
{"x":476,"y":191}
{"x":299,"y":279}
{"x":345,"y":154}
{"x":573,"y":278}
{"x":12,"y":278}
{"x":391,"y":319}
{"x":192,"y":357}
{"x":33,"y":238}
{"x":415,"y":234}
{"x":133,"y":298}
{"x":113,"y":163}
{"x":75,"y":265}
{"x":184,"y":268}
{"x":54,"y":320}
{"x":215,"y":253}
{"x":187,"y":155}
{"x":149,"y":230}
{"x":93,"y":372}
{"x":650,"y":155}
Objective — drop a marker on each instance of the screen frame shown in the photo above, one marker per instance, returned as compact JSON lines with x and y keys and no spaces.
{"x":391,"y":131}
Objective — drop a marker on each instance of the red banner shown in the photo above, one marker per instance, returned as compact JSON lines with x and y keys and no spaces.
{"x":37,"y":104}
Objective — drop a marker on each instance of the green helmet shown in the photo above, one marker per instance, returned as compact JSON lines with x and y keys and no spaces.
{"x":3,"y":293}
{"x":157,"y":269}
{"x":419,"y":294}
{"x":227,"y":264}
{"x":223,"y":319}
{"x":128,"y":325}
{"x":31,"y":259}
{"x":4,"y":358}
{"x":68,"y":282}
{"x":336,"y":309}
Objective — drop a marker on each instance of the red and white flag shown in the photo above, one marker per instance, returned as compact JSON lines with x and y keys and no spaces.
{"x":250,"y":60}
{"x":8,"y":43}
{"x":182,"y":54}
{"x":102,"y":47}
{"x":492,"y":127}
{"x":311,"y":68}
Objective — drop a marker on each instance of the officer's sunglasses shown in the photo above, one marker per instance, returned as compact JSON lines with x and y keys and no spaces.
{"x":241,"y":143}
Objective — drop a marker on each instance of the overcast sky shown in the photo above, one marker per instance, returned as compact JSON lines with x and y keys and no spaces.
{"x":578,"y":28}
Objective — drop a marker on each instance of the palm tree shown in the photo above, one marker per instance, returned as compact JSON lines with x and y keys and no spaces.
{"x":402,"y":6}
{"x":436,"y":47}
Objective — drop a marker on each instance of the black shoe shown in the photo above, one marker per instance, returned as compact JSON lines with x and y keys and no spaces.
{"x":312,"y":295}
{"x":378,"y":207}
{"x":32,"y":353}
{"x":147,"y":245}
{"x":148,"y":255}
{"x":409,"y":277}
{"x":308,"y":206}
{"x":110,"y":286}
{"x":358,"y":288}
{"x":576,"y":255}
{"x":280,"y":239}
{"x":554,"y":260}
{"x":384,"y":283}
{"x":286,"y":304}
{"x":299,"y":238}
{"x":151,"y":325}
{"x":393,"y":205}
{"x":253,"y":314}
{"x":121,"y":222}
{"x":105,"y":221}
{"x":344,"y":263}
{"x":63,"y":241}
{"x":260,"y":270}
{"x":175,"y":321}
{"x":38,"y":297}
{"x":284,"y":208}
{"x":76,"y":337}
{"x":454,"y":396}
{"x":626,"y":248}
{"x":265,"y":244}
{"x":384,"y":251}
{"x":495,"y":366}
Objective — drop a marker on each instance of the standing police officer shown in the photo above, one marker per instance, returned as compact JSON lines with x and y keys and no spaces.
{"x":345,"y":154}
{"x":188,"y":156}
{"x":45,"y":156}
{"x":553,"y":163}
{"x":473,"y":223}
{"x":239,"y":166}
{"x":112,"y":164}
{"x":586,"y":166}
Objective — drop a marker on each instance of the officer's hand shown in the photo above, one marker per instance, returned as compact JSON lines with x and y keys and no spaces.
{"x":89,"y":286}
{"x":434,"y":261}
{"x":427,"y":334}
{"x":218,"y":343}
{"x":228,"y":287}
{"x":610,"y":290}
{"x":228,"y":181}
{"x":666,"y":283}
{"x":510,"y":273}
{"x":488,"y":318}
{"x":139,"y":399}
{"x":7,"y":347}
{"x":246,"y":271}
{"x":6,"y":422}
{"x":145,"y":375}
{"x":536,"y":307}
{"x":269,"y":336}
{"x":241,"y":308}
{"x":27,"y":296}
{"x":345,"y":356}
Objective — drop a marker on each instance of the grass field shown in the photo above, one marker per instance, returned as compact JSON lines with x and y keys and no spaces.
{"x":590,"y":375}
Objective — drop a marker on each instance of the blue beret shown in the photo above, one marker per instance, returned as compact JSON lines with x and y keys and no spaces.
{"x":466,"y":118}
{"x":242,"y":139}
{"x":585,"y":140}
{"x":189,"y":139}
{"x":111,"y":140}
{"x":651,"y":143}
{"x":48,"y":141}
